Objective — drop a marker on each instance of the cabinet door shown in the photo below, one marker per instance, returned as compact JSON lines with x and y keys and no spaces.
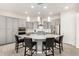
{"x":20,"y":22}
{"x":47,"y":25}
{"x":57,"y":29}
{"x":23,"y":22}
{"x":35,"y":25}
{"x":15,"y":28}
{"x":2,"y":30}
{"x":9,"y":30}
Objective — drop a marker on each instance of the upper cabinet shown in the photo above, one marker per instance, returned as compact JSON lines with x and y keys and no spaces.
{"x":29,"y":25}
{"x":46,"y":25}
{"x":36,"y":25}
{"x":21,"y":22}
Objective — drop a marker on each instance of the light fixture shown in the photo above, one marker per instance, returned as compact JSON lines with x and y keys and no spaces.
{"x":38,"y":18}
{"x":49,"y":19}
{"x":32,"y":6}
{"x":66,"y":8}
{"x":28,"y":19}
{"x":45,"y":7}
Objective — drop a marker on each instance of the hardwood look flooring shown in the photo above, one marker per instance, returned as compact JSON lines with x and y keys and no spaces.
{"x":9,"y":50}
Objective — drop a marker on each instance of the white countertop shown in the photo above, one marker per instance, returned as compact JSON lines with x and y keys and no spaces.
{"x":37,"y":36}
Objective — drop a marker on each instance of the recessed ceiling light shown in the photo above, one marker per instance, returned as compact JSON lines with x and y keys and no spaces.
{"x":32,"y":6}
{"x":38,"y":19}
{"x":66,"y":8}
{"x":45,"y":7}
{"x":38,"y":12}
{"x":26,"y":12}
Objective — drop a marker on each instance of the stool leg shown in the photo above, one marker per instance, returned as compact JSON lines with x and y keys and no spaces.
{"x":62,"y":46}
{"x":25,"y":51}
{"x":36,"y":48}
{"x":16,"y":47}
{"x":46,"y":51}
{"x":42,"y":48}
{"x":31,"y":51}
{"x":59,"y":48}
{"x":53,"y":51}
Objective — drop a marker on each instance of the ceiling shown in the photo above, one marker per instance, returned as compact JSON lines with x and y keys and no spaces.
{"x":20,"y":8}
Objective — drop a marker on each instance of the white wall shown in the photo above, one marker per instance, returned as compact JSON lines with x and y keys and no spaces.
{"x":77,"y":30}
{"x":11,"y":14}
{"x":68,"y":27}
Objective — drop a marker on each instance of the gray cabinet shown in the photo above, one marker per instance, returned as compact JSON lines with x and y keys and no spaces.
{"x":36,"y":24}
{"x":2,"y":30}
{"x":30,"y":25}
{"x":21,"y":23}
{"x":46,"y":25}
{"x":15,"y":28}
{"x":9,"y":28}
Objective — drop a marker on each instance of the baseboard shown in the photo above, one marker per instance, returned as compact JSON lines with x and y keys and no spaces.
{"x":6,"y":43}
{"x":70,"y":44}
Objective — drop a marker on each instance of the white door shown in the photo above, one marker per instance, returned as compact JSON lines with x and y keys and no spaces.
{"x":2,"y":30}
{"x":9,"y":30}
